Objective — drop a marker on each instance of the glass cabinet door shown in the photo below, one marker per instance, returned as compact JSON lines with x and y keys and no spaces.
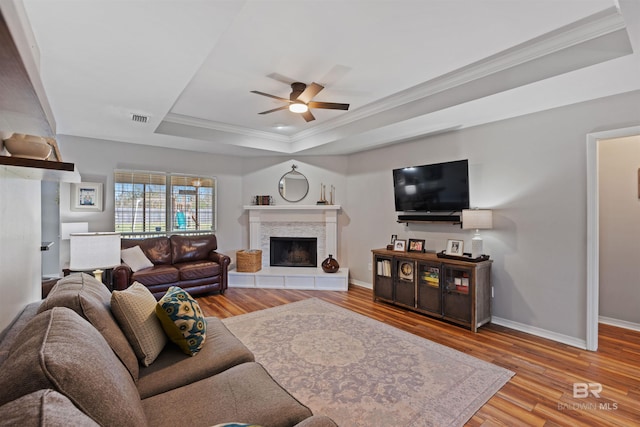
{"x":405,"y":283}
{"x":456,"y":294}
{"x":382,"y":280}
{"x":429,"y":294}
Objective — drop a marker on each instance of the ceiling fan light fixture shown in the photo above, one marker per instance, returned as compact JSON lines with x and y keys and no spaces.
{"x":298,"y":107}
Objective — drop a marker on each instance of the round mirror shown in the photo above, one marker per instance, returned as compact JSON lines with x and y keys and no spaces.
{"x":293,"y":186}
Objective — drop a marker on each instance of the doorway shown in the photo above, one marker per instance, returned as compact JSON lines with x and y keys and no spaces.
{"x":593,"y":245}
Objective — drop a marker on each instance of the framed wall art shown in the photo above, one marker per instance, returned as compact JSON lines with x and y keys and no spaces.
{"x":86,"y":197}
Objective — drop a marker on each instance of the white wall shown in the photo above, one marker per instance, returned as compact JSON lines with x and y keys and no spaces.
{"x":20,"y":277}
{"x":619,"y":207}
{"x":532,"y":171}
{"x":97,"y":159}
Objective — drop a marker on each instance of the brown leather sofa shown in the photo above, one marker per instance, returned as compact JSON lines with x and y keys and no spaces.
{"x":190,"y":262}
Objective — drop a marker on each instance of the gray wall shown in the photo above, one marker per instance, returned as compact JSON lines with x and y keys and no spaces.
{"x":261,"y":177}
{"x":50,"y":208}
{"x":532,"y":171}
{"x":97,"y":159}
{"x":619,"y":207}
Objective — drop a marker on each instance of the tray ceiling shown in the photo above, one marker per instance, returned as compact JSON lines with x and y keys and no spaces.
{"x":407,"y":68}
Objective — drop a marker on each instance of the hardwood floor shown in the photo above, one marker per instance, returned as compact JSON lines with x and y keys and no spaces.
{"x":541,"y":392}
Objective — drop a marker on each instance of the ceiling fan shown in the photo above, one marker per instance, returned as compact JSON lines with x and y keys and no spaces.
{"x":300,"y":100}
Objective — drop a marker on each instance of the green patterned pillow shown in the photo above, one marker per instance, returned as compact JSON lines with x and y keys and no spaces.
{"x":182,"y":320}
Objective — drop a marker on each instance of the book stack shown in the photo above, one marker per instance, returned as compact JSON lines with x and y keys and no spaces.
{"x":432,"y":276}
{"x":383,"y":267}
{"x":462,"y":284}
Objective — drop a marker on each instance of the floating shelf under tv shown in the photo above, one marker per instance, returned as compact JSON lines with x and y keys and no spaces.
{"x":443,"y":218}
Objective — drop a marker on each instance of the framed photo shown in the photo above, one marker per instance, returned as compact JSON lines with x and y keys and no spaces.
{"x":400,"y":245}
{"x":455,"y":247}
{"x":86,"y":197}
{"x":394,"y":237}
{"x":416,"y":245}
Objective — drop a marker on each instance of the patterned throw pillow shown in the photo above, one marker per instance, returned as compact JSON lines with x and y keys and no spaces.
{"x":135,"y":310}
{"x":182,"y":320}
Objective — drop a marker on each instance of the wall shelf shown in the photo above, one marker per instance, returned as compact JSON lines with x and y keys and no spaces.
{"x":429,"y":222}
{"x":450,"y":218}
{"x":43,"y":170}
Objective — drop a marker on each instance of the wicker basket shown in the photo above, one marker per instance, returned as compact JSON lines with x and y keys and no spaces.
{"x":249,"y":261}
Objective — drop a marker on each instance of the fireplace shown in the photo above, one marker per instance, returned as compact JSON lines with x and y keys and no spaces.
{"x":293,"y":251}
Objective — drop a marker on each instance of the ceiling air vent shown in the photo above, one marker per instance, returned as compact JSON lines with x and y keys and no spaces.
{"x":139,"y":118}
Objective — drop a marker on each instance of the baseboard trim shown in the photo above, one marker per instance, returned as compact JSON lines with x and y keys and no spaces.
{"x":539,"y":332}
{"x":361,"y":284}
{"x":619,"y":323}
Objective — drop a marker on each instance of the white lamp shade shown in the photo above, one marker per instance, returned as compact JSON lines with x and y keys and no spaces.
{"x":477,"y":219}
{"x":66,"y":228}
{"x":90,"y":251}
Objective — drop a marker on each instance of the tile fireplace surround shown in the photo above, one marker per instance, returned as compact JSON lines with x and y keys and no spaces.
{"x":319,"y":221}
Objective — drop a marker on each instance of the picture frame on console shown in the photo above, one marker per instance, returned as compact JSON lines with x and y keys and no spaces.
{"x":86,"y":197}
{"x":400,"y":245}
{"x":416,"y":245}
{"x":455,"y":247}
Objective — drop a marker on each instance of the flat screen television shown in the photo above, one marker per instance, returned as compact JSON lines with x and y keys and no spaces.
{"x":439,"y":187}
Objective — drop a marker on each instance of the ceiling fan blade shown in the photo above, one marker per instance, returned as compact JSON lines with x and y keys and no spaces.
{"x":308,"y":116}
{"x":328,"y":105}
{"x":312,"y":90}
{"x":281,"y":78}
{"x":270,"y":96}
{"x":275,"y":109}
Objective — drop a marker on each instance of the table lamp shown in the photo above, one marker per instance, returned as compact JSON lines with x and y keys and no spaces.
{"x":67,"y":228}
{"x":94,"y":251}
{"x":477,"y":219}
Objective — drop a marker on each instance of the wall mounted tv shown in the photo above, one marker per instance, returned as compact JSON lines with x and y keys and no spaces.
{"x":439,"y":187}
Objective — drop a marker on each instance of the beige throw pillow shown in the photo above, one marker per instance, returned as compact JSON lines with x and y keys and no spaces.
{"x":135,"y":258}
{"x":135,"y":310}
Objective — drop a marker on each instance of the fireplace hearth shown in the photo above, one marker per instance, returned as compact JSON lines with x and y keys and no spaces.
{"x":319,"y":221}
{"x":293,"y":252}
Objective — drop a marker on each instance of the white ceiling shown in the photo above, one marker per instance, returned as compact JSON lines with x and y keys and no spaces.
{"x":408,"y":68}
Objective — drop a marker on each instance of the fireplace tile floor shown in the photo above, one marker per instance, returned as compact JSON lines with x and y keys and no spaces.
{"x":291,"y":278}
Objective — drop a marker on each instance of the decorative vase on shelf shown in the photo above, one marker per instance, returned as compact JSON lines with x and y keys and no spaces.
{"x":330,"y":265}
{"x":28,"y":146}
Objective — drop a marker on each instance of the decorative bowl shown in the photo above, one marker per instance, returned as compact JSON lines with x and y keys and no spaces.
{"x":28,"y":146}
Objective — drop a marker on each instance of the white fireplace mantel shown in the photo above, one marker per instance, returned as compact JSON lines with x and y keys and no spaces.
{"x":292,"y":207}
{"x":328,"y":214}
{"x":320,"y":221}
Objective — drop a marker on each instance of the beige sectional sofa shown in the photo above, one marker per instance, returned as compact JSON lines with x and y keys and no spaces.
{"x":66,"y":361}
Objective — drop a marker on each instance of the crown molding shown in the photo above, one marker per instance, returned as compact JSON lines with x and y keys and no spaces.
{"x":589,"y":28}
{"x":597,"y":25}
{"x":223,"y":127}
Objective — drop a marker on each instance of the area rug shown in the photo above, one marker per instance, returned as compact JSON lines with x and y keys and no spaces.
{"x":362,"y":372}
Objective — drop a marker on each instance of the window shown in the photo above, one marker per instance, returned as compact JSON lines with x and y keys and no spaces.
{"x":156,"y":203}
